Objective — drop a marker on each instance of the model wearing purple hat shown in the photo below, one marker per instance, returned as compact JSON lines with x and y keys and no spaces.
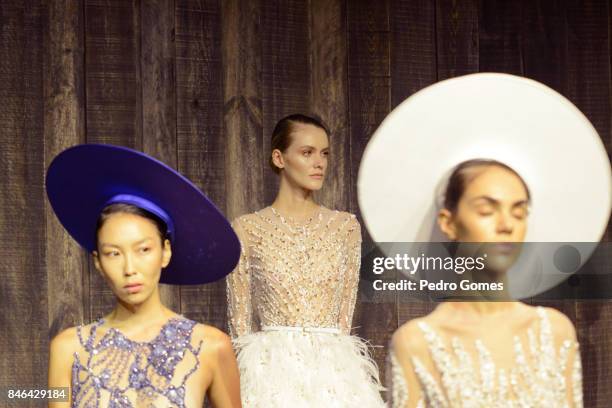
{"x":144,"y":223}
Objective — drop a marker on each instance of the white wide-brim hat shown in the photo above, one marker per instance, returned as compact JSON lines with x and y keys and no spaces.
{"x":514,"y":120}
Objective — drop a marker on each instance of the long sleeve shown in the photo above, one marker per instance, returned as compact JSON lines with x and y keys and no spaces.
{"x":351,"y":282}
{"x":239,"y":308}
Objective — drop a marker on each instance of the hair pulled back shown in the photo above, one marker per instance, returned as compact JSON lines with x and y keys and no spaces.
{"x":465,"y":172}
{"x":281,"y":135}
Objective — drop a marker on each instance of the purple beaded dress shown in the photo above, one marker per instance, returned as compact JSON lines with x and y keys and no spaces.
{"x":117,"y":372}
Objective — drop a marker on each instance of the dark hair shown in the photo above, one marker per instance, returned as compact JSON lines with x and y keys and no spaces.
{"x":281,"y":135}
{"x":467,"y":171}
{"x":116,"y":208}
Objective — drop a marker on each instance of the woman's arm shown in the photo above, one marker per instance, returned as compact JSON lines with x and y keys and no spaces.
{"x":351,"y":281}
{"x":61,"y":356}
{"x":404,"y":388}
{"x":224,"y":388}
{"x":239,"y":307}
{"x":566,"y":345}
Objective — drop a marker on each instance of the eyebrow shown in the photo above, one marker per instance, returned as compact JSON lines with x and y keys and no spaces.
{"x":494,"y":201}
{"x":313,"y":147}
{"x":142,"y":241}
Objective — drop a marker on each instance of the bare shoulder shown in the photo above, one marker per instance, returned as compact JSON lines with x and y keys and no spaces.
{"x":562,"y":327}
{"x":409,"y":338}
{"x":66,"y":342}
{"x":216,"y":344}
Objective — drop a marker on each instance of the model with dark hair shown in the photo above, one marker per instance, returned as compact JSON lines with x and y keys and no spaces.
{"x":111,"y":201}
{"x":466,"y":163}
{"x":486,"y":202}
{"x":292,"y":296}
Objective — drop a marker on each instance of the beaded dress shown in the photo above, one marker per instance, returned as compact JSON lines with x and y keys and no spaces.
{"x":462,"y":375}
{"x":291,"y":300}
{"x":114,"y":371}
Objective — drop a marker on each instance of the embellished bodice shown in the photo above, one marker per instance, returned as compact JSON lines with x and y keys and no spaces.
{"x":542,"y":374}
{"x":294,"y":273}
{"x":117,"y":372}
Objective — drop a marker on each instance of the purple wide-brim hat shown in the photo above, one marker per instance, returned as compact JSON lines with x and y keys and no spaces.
{"x":84,"y":179}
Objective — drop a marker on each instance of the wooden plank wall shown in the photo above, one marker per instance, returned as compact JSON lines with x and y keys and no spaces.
{"x":200,"y":85}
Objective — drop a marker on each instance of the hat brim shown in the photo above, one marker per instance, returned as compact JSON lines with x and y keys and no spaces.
{"x":514,"y":120}
{"x":82,"y":179}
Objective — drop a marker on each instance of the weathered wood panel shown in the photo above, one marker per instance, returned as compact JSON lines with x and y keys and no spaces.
{"x":64,"y":126}
{"x":113,"y":100}
{"x":158,"y":96}
{"x":285,"y":76}
{"x":413,"y":48}
{"x":414,"y":65}
{"x":200,"y":84}
{"x":369,"y":101}
{"x":588,"y":86}
{"x":500,"y":39}
{"x":457,"y":37}
{"x":545,"y":53}
{"x":242,"y":102}
{"x":23,"y":287}
{"x":200,"y":147}
{"x":329,"y":95}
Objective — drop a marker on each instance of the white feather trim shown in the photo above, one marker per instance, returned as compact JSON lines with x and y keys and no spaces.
{"x":305,"y":370}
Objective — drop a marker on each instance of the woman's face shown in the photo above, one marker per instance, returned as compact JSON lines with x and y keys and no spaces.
{"x":131,"y":256}
{"x":304,"y":162}
{"x":493,"y":208}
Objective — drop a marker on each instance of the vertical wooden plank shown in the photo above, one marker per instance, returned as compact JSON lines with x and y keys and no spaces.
{"x":414,"y":66}
{"x":285,"y":76}
{"x":329,"y":94}
{"x":500,"y":36}
{"x":64,"y":126}
{"x":242,"y":101}
{"x":369,"y":101}
{"x":413,"y":48}
{"x":23,"y":287}
{"x":113,"y":95}
{"x":588,"y":86}
{"x":158,"y":97}
{"x":545,"y":60}
{"x":457,"y":37}
{"x":545,"y":53}
{"x":200,"y":146}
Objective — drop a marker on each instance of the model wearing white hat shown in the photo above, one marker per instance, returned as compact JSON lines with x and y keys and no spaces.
{"x":525,"y":164}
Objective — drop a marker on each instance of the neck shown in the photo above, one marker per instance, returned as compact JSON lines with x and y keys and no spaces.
{"x":483,"y":309}
{"x":147,"y":312}
{"x":293,"y":200}
{"x":488,"y":278}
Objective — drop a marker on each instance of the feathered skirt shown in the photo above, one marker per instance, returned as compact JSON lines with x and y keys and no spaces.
{"x":306,"y":367}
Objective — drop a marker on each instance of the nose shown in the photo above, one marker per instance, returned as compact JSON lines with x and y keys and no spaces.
{"x":320,"y":162}
{"x":128,"y":266}
{"x":504,"y":224}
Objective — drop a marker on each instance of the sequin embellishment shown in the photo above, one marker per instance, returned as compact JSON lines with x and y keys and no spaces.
{"x":121,"y":373}
{"x":294,"y":273}
{"x":537,"y":379}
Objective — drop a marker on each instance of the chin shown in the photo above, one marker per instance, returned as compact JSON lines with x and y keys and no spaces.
{"x":135,"y":299}
{"x":314,"y":186}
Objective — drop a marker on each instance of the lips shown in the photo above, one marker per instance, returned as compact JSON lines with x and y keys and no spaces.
{"x":505,"y":248}
{"x":133,"y":287}
{"x":316,"y":176}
